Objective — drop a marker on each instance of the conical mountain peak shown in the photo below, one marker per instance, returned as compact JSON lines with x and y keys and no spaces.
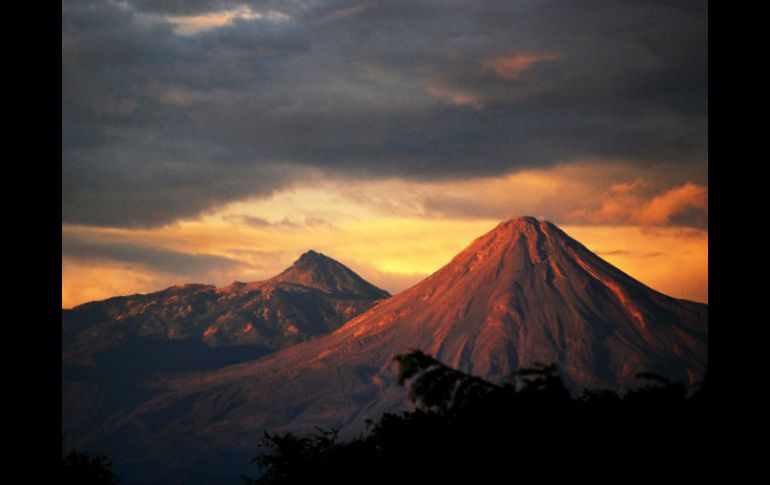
{"x":515,"y":245}
{"x":316,"y":270}
{"x":527,"y":292}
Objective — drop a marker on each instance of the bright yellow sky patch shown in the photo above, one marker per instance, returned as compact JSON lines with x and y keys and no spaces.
{"x":672,"y":260}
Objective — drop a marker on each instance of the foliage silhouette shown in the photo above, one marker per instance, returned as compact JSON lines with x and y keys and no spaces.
{"x":465,"y":428}
{"x":79,"y":468}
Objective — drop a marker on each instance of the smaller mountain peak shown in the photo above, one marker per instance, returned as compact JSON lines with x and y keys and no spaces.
{"x":316,"y":270}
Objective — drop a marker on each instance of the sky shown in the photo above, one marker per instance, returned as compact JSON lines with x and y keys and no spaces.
{"x":215,"y":141}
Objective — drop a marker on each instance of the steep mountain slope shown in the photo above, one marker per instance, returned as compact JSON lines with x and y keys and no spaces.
{"x":523,"y":293}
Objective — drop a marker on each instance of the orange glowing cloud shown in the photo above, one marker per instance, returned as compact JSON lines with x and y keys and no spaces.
{"x":662,"y":208}
{"x":195,"y":24}
{"x":453,"y":96}
{"x":512,"y":67}
{"x":626,"y":203}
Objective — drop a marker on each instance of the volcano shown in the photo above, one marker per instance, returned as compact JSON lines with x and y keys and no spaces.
{"x":523,"y":293}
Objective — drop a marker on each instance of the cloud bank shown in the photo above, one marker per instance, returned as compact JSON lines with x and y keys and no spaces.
{"x":174,"y":108}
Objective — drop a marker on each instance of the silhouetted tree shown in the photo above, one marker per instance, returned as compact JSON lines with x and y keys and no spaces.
{"x":79,"y":468}
{"x":466,"y":428}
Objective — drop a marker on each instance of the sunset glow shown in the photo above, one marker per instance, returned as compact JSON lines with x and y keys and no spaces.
{"x":396,"y":241}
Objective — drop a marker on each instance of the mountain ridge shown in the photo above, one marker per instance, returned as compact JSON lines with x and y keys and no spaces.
{"x":314,"y":295}
{"x":308,"y":259}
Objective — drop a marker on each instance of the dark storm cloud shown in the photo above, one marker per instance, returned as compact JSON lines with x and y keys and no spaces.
{"x":158,"y":125}
{"x":182,"y":7}
{"x":195,"y":7}
{"x":83,"y":248}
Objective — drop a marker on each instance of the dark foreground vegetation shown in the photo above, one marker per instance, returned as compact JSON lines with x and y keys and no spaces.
{"x":464,"y":429}
{"x":81,"y":468}
{"x":467,"y":430}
